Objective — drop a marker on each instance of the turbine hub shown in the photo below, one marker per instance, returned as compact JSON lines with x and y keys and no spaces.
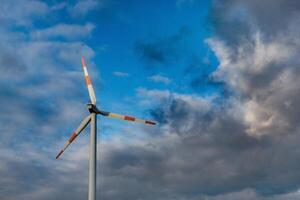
{"x":92,"y":108}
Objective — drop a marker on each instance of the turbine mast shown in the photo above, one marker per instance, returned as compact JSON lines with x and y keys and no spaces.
{"x":93,"y":158}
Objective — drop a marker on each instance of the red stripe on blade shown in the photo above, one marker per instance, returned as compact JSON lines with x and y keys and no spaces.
{"x":82,"y":61}
{"x":88,"y":80}
{"x":72,"y":137}
{"x":129,"y":118}
{"x":59,"y":154}
{"x":149,"y":122}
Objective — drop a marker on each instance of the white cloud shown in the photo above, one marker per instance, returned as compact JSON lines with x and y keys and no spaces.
{"x":261,"y":73}
{"x":22,"y":12}
{"x":120,"y":74}
{"x":59,"y":6}
{"x":67,"y":31}
{"x":82,"y":7}
{"x":160,"y":79}
{"x":150,"y":97}
{"x":253,"y":58}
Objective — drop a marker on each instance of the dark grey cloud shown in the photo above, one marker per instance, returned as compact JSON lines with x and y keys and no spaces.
{"x":199,"y":73}
{"x":29,"y":173}
{"x":163,"y":50}
{"x":235,"y":20}
{"x":210,"y":153}
{"x":204,"y":82}
{"x":10,"y":66}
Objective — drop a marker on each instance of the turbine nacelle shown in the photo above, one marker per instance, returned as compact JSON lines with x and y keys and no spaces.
{"x":93,"y":108}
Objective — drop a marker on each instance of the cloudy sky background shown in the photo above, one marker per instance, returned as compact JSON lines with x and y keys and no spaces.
{"x":222,"y":78}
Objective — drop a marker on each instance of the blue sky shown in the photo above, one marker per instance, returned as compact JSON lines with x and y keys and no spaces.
{"x":124,"y":26}
{"x":221,"y":78}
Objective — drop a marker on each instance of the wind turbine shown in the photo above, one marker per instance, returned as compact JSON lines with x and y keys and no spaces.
{"x":92,"y":118}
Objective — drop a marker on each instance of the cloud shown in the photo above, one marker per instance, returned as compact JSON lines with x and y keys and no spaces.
{"x":66,"y":31}
{"x":235,"y":20}
{"x":42,"y":82}
{"x":40,"y":85}
{"x":218,"y":136}
{"x":241,"y":146}
{"x":161,"y":51}
{"x":120,"y":74}
{"x":161,"y":95}
{"x":160,"y":79}
{"x":23,"y":14}
{"x":255,"y":74}
{"x":39,"y":92}
{"x":83,"y":7}
{"x":59,"y":6}
{"x":25,"y":164}
{"x":250,"y":195}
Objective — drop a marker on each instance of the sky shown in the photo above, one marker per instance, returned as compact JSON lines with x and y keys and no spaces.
{"x":221,"y":78}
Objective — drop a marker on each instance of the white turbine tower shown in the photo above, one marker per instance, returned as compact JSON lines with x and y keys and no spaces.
{"x":92,"y":118}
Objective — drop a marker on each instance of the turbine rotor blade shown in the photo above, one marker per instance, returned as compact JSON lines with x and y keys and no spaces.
{"x":125,"y":117}
{"x":83,"y":124}
{"x":88,"y":82}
